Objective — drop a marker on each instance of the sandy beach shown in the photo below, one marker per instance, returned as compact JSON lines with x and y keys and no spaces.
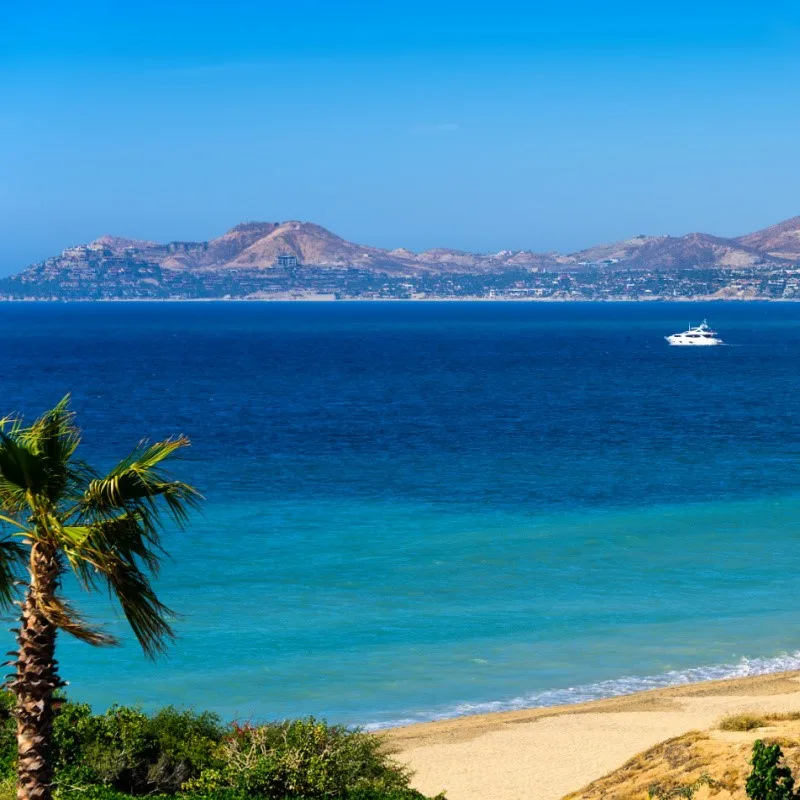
{"x":547,"y":753}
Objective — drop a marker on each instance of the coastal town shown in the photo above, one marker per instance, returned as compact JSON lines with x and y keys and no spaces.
{"x":300,"y":260}
{"x":96,"y":273}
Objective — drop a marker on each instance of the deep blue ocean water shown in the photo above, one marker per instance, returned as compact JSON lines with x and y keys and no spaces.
{"x":420,"y":509}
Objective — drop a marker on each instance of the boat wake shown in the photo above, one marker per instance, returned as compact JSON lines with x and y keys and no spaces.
{"x":747,"y":667}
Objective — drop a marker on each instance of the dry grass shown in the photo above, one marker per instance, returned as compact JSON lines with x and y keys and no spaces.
{"x":748,"y":721}
{"x":742,"y":722}
{"x":722,"y":755}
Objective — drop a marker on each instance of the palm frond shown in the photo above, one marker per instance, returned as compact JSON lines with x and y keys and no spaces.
{"x":66,"y":618}
{"x":137,"y":482}
{"x":126,"y":537}
{"x":12,"y":561}
{"x":53,"y":438}
{"x":116,"y":538}
{"x":10,"y":423}
{"x":20,"y":470}
{"x":13,"y":498}
{"x":146,"y":614}
{"x":37,"y":460}
{"x":18,"y":526}
{"x":54,"y":435}
{"x":107,"y":529}
{"x":119,"y":553}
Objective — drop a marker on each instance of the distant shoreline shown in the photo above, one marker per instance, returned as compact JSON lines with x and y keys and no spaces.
{"x":646,"y":300}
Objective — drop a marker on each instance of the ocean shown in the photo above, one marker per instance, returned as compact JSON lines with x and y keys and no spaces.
{"x":417,"y":510}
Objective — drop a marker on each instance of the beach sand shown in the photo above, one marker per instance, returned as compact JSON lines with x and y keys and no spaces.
{"x":546,"y":753}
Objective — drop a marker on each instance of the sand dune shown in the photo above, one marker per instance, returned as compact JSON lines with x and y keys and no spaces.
{"x":544,"y":754}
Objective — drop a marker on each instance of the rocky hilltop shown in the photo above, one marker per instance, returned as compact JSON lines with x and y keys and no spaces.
{"x":681,"y":252}
{"x":257,"y":245}
{"x":269,"y":257}
{"x":778,"y":241}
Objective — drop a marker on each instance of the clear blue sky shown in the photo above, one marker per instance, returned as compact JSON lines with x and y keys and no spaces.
{"x":478,"y":125}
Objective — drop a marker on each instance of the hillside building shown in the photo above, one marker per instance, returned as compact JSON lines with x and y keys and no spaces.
{"x":287,"y":261}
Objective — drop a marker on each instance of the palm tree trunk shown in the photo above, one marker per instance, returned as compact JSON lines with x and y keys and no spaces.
{"x":36,"y":679}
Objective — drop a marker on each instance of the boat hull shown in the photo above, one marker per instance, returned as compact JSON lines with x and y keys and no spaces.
{"x":679,"y":341}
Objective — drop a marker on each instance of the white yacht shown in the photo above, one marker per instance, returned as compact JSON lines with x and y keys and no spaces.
{"x":701,"y":336}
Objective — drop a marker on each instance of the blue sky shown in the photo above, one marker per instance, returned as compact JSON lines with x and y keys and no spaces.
{"x":421,"y":124}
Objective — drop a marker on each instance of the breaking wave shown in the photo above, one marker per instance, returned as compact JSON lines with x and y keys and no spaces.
{"x":746,"y":667}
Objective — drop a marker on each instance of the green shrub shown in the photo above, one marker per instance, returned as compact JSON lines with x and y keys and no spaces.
{"x":365,"y":793}
{"x":182,"y":755}
{"x":8,"y":737}
{"x":302,"y":759}
{"x":130,"y":751}
{"x":66,"y":792}
{"x":769,"y":780}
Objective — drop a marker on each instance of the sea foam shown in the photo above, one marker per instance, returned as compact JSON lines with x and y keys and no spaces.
{"x":744,"y":668}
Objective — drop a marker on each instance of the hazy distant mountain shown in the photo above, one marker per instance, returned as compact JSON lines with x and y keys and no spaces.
{"x":780,"y":241}
{"x":253,"y":249}
{"x":257,"y":245}
{"x":678,"y":252}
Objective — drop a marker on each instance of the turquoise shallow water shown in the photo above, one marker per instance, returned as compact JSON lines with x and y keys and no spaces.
{"x":417,"y":511}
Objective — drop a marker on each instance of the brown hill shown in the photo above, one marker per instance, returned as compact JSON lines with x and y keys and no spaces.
{"x":121,"y":243}
{"x":709,"y":764}
{"x":671,"y":252}
{"x":255,"y":246}
{"x":781,"y":240}
{"x":258,"y":245}
{"x":311,"y":244}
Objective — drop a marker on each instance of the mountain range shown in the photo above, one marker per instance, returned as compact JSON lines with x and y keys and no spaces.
{"x":269,"y":258}
{"x":257,"y":245}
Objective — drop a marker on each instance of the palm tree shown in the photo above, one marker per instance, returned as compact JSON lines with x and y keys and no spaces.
{"x":59,"y":515}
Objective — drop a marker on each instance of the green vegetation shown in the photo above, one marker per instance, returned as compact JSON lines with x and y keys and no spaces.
{"x":184,"y":755}
{"x":769,"y":780}
{"x":61,"y":515}
{"x":686,"y":790}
